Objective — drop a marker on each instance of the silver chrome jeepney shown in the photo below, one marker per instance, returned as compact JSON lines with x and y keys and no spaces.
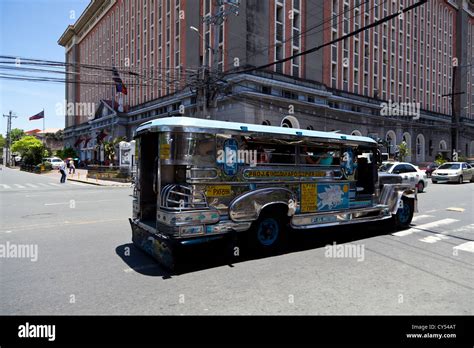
{"x":199,"y":180}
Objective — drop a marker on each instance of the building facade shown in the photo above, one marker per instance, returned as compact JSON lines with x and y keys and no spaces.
{"x":391,"y":82}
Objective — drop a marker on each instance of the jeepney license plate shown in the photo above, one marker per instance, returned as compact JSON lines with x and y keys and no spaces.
{"x":321,"y":219}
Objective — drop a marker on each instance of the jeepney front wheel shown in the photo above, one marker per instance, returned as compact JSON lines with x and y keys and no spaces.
{"x":268,"y":234}
{"x":404,"y":215}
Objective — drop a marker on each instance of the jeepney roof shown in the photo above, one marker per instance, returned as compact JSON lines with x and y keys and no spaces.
{"x":192,"y":124}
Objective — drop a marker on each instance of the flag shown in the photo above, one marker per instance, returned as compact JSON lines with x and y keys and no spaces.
{"x":37,"y":116}
{"x":119,"y":85}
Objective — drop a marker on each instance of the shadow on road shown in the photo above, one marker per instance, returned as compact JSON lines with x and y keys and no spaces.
{"x":222,"y":252}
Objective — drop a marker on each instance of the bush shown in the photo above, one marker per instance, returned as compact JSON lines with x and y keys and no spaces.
{"x":47,"y":166}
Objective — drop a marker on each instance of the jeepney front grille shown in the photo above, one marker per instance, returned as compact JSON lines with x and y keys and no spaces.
{"x":180,"y":197}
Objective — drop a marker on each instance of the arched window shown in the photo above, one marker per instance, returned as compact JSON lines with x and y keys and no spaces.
{"x":391,"y":139}
{"x":290,"y":122}
{"x":266,"y":123}
{"x":420,"y":148}
{"x":443,"y":146}
{"x":356,"y":133}
{"x":310,"y":128}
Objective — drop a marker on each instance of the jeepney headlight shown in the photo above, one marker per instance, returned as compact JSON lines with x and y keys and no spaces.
{"x":191,"y":230}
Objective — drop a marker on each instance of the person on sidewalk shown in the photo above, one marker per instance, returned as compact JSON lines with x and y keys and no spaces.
{"x":72,"y":167}
{"x":62,"y":170}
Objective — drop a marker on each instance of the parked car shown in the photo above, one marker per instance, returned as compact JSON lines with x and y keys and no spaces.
{"x":410,"y":173}
{"x":56,"y":162}
{"x":429,"y":168}
{"x":453,"y":172}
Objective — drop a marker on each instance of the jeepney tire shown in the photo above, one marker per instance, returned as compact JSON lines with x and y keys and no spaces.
{"x":402,"y":219}
{"x":269,"y":233}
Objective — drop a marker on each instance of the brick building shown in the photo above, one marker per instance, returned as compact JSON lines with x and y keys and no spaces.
{"x":160,"y":48}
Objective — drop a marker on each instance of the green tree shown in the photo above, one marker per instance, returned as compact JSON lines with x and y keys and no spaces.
{"x":30,"y":148}
{"x":66,"y":153}
{"x":403,"y":151}
{"x":3,"y":141}
{"x":16,"y":134}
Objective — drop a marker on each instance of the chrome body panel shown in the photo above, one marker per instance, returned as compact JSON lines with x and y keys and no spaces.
{"x":247,"y":207}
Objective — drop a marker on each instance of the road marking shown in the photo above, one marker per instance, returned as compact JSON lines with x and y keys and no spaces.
{"x":419,"y":228}
{"x":433,"y":239}
{"x":8,"y":231}
{"x":139,"y":268}
{"x":31,"y":185}
{"x":59,"y":223}
{"x":19,"y":186}
{"x":469,"y":246}
{"x":455,"y":209}
{"x":43,"y":184}
{"x":463,"y":229}
{"x":5,"y":186}
{"x":420,"y":217}
{"x":64,"y":203}
{"x":54,"y":184}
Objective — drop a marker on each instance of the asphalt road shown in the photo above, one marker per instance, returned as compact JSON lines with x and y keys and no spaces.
{"x":86,"y":263}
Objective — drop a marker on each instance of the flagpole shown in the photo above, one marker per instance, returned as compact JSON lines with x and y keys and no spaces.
{"x":43,"y":127}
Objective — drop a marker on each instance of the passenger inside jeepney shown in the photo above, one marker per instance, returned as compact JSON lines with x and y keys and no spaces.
{"x":316,"y":156}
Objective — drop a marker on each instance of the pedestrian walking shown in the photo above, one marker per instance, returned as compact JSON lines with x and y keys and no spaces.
{"x":62,"y":170}
{"x":72,"y":167}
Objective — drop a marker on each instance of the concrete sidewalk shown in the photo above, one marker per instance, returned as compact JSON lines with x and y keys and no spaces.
{"x":81,"y":176}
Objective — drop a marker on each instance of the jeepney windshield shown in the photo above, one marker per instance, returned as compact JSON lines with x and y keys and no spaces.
{"x":187,"y":148}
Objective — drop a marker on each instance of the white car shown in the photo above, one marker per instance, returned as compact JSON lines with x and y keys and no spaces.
{"x":56,"y":162}
{"x":453,"y":172}
{"x":410,"y":174}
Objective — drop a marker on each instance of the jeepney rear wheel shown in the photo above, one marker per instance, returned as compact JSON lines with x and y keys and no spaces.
{"x":404,"y":215}
{"x":268,"y":234}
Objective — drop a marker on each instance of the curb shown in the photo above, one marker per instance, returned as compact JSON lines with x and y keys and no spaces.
{"x":97,"y":184}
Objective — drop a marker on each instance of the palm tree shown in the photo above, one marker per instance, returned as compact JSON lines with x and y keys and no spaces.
{"x":110,"y":147}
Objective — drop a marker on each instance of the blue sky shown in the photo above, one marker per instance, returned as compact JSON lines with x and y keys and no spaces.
{"x":31,"y":29}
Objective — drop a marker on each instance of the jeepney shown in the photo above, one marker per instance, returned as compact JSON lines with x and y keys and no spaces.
{"x":200,"y":180}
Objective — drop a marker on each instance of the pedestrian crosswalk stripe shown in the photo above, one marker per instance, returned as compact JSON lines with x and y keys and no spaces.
{"x":43,"y":184}
{"x":463,"y":228}
{"x":469,"y":246}
{"x":31,"y":185}
{"x":19,"y":186}
{"x":433,"y":239}
{"x":421,"y":217}
{"x":426,"y":226}
{"x":53,"y":183}
{"x":5,"y":186}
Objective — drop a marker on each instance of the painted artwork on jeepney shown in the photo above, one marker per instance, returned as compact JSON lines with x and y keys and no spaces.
{"x":332,"y":197}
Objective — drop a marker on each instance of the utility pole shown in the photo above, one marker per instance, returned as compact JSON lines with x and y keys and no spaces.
{"x":9,"y":138}
{"x":454,"y":115}
{"x":222,"y":9}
